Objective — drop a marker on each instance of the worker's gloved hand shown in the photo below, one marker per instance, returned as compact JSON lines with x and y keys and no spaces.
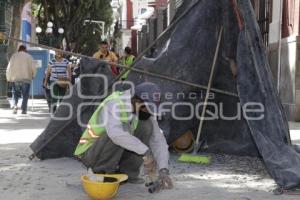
{"x":149,"y":162}
{"x":166,"y":181}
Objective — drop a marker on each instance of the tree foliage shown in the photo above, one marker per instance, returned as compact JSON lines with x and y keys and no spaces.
{"x":16,"y":24}
{"x":70,"y":15}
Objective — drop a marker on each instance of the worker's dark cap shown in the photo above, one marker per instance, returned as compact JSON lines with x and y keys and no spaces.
{"x":150,"y":93}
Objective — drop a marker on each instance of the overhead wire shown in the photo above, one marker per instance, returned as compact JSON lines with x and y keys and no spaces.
{"x":132,"y":69}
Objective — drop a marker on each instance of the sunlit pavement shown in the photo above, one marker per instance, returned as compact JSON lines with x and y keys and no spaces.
{"x":295,"y":132}
{"x":60,"y":178}
{"x":19,"y":128}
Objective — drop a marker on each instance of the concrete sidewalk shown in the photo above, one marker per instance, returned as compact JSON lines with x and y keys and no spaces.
{"x":295,"y":132}
{"x":21,"y":128}
{"x":25,"y":128}
{"x":228,"y":177}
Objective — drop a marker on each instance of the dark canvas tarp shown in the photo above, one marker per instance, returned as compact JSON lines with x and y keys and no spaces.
{"x":64,"y":130}
{"x":186,"y":53}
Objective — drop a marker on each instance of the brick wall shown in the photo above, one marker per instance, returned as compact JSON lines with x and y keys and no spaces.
{"x":290,"y":18}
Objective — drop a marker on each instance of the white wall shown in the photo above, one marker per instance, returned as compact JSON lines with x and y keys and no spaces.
{"x":276,"y":22}
{"x":126,"y":39}
{"x":138,"y":5}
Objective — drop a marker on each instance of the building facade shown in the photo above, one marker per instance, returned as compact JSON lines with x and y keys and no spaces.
{"x":134,"y":16}
{"x":279,"y":22}
{"x":284,"y":53}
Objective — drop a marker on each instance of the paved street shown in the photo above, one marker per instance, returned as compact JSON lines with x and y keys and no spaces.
{"x":23,"y":128}
{"x":228,"y":177}
{"x":295,"y":132}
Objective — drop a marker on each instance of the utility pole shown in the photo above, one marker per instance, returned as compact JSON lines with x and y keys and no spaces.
{"x":3,"y":57}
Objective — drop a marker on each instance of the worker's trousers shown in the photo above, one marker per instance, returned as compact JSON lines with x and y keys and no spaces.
{"x":20,"y":89}
{"x":106,"y":157}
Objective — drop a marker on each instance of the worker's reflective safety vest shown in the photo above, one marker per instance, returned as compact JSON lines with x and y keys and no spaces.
{"x":94,"y":130}
{"x":127,"y":62}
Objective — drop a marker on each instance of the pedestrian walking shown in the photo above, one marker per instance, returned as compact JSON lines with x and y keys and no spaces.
{"x":20,"y":72}
{"x":127,"y":60}
{"x":106,"y":55}
{"x":59,"y":73}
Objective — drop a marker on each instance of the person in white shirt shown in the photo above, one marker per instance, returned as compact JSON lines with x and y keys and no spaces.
{"x":124,"y":147}
{"x":20,"y":71}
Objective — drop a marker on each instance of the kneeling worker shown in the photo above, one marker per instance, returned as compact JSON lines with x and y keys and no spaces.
{"x":122,"y":135}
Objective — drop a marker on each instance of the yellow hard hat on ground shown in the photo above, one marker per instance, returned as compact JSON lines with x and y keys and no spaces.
{"x":185,"y":143}
{"x":105,"y":189}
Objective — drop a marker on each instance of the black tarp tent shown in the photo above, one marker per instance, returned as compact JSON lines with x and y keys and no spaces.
{"x":185,"y":52}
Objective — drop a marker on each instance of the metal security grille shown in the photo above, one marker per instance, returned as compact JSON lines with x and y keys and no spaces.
{"x":178,"y":3}
{"x":263,"y":13}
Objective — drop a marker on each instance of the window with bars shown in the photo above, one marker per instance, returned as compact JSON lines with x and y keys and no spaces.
{"x":263,"y":13}
{"x":178,"y":3}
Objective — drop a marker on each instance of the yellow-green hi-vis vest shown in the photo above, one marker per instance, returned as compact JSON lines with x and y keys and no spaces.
{"x":127,"y":62}
{"x":94,"y":130}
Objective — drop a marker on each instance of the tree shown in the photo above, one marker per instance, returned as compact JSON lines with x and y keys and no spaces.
{"x":16,"y":24}
{"x":70,"y":15}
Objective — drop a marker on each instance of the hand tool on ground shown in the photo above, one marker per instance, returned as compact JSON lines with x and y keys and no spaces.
{"x":152,"y":181}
